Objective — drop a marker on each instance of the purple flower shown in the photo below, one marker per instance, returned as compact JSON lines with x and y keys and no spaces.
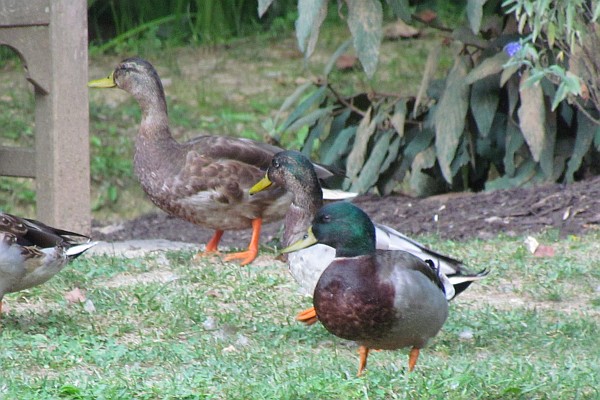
{"x":512,"y":48}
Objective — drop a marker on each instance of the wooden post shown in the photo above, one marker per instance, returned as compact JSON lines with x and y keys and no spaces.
{"x":50,"y":36}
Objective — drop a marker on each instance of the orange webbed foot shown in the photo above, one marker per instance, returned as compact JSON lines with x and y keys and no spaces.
{"x":212,"y":247}
{"x":308,"y":316}
{"x":249,"y":255}
{"x":412,"y":359}
{"x":363,"y":351}
{"x":246,"y":256}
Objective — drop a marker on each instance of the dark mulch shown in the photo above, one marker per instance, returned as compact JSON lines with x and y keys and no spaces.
{"x":571,"y":209}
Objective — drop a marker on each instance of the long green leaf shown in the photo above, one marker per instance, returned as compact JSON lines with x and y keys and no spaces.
{"x":338,"y":123}
{"x":310,"y":118}
{"x":489,"y":66}
{"x":356,"y":158}
{"x":525,"y":173}
{"x":514,"y":142}
{"x":419,"y":181}
{"x":372,"y":168}
{"x":547,"y":160}
{"x":532,"y":116}
{"x":485,"y":96}
{"x":419,"y":142}
{"x":340,"y":50}
{"x":492,"y":147}
{"x":586,"y":131}
{"x":303,"y":108}
{"x":387,"y":180}
{"x":340,"y":146}
{"x":315,"y":134}
{"x":263,"y":6}
{"x":450,"y":115}
{"x":475,"y":13}
{"x":291,"y":99}
{"x":507,"y":73}
{"x":462,"y":156}
{"x":401,"y":9}
{"x":430,"y":67}
{"x":392,"y":154}
{"x":365,"y":18}
{"x":311,"y":14}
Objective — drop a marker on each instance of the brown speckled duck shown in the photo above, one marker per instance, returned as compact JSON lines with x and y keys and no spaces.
{"x":295,"y":173}
{"x":205,"y":180}
{"x":31,"y":253}
{"x":381,"y":299}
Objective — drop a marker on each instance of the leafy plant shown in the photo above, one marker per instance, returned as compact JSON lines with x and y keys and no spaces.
{"x":114,"y":24}
{"x":498,"y":119}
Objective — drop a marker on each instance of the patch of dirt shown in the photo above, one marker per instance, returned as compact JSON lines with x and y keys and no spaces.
{"x":572,"y":209}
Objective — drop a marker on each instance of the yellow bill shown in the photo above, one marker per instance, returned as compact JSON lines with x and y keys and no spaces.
{"x":308,"y":240}
{"x":261,"y":185}
{"x":103,"y":83}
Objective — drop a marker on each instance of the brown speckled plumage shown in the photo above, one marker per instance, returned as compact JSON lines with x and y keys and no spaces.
{"x":205,"y":180}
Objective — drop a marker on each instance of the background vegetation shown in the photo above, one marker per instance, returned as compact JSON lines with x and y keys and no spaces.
{"x":516,"y":107}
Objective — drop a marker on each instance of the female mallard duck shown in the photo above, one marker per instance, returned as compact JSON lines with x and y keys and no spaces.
{"x":292,"y":171}
{"x":380,"y":299}
{"x":31,"y":252}
{"x":205,"y":180}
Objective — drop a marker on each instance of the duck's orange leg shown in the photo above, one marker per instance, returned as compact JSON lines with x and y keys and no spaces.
{"x":308,"y":316}
{"x":412,"y":358}
{"x":363,"y":351}
{"x":249,"y":255}
{"x":212,"y":246}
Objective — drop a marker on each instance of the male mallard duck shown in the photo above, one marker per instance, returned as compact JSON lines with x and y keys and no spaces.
{"x":292,"y":171}
{"x":31,"y":252}
{"x":380,"y":299}
{"x":205,"y":180}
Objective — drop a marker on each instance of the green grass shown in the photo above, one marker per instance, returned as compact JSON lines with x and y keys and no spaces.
{"x":167,"y":328}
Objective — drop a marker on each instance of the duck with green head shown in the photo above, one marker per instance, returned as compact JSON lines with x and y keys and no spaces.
{"x":205,"y":180}
{"x":294,"y":172}
{"x":381,"y":299}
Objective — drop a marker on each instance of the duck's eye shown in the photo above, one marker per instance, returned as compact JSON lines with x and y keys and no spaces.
{"x":275,"y":164}
{"x":326,"y":218}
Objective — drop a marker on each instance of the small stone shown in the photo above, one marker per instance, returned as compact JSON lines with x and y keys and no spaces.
{"x":210,"y":324}
{"x":229,"y":349}
{"x":467,"y":334}
{"x":88,"y":306}
{"x":242,"y":341}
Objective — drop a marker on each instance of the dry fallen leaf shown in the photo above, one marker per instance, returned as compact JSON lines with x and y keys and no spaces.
{"x":399,"y":30}
{"x":544,"y":251}
{"x":346,"y":62}
{"x":427,"y":16}
{"x":229,"y":349}
{"x":75,"y":296}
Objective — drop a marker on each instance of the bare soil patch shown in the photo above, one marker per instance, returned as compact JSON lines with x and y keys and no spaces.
{"x":571,"y":209}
